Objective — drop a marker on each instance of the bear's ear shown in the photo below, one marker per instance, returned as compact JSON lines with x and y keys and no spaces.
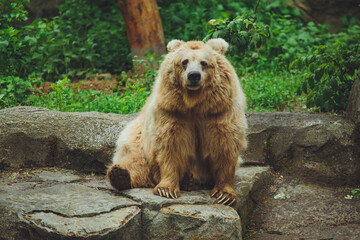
{"x":173,"y":44}
{"x":218,"y":44}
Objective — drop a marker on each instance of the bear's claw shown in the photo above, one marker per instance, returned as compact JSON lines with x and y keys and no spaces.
{"x":224,"y":198}
{"x":164,"y":192}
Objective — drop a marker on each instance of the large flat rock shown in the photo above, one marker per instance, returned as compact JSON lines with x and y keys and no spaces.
{"x":318,"y":147}
{"x":52,"y":203}
{"x":33,"y":137}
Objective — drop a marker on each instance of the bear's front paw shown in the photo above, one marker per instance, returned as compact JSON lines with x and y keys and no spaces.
{"x":168,"y":192}
{"x":224,"y":195}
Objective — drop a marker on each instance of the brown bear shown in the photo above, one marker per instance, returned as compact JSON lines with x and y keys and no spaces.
{"x":193,"y":124}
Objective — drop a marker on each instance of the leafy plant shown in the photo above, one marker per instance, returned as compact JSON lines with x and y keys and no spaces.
{"x":87,"y":37}
{"x":330,"y":71}
{"x":242,"y":33}
{"x":14,"y":91}
{"x":66,"y":96}
{"x":12,"y":12}
{"x":268,"y":91}
{"x":354,"y":193}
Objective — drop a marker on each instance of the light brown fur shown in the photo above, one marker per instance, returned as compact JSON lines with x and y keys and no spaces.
{"x":184,"y":130}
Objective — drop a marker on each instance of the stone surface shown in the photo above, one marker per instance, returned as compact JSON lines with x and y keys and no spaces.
{"x":99,"y":225}
{"x":320,"y":147}
{"x":52,"y":203}
{"x":192,"y":221}
{"x":59,"y":175}
{"x":33,"y":137}
{"x":307,"y":211}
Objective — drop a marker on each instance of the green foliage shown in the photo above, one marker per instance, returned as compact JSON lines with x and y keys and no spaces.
{"x":12,"y":12}
{"x":14,"y":91}
{"x":242,"y":33}
{"x":354,"y":193}
{"x":269,"y":91}
{"x":330,"y":71}
{"x":87,"y":37}
{"x":67,"y":97}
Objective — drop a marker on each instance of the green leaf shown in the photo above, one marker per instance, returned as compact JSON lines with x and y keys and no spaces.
{"x":30,"y":40}
{"x":303,"y":59}
{"x":4,"y":43}
{"x":309,"y":59}
{"x":214,"y":22}
{"x":355,"y":192}
{"x":349,"y":197}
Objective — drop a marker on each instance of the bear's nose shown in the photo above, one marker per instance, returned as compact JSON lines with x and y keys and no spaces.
{"x":194,"y":77}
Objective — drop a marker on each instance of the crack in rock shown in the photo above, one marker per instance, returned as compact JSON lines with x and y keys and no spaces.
{"x":99,"y":224}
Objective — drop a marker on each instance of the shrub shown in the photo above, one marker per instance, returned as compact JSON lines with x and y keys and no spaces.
{"x":14,"y":91}
{"x":87,"y":37}
{"x":330,"y":71}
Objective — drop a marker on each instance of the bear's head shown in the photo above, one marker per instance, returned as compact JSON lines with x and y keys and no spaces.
{"x":196,"y":76}
{"x":195,"y":61}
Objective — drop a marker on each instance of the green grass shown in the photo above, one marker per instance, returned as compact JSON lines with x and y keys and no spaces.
{"x":270,"y":91}
{"x":68,"y":97}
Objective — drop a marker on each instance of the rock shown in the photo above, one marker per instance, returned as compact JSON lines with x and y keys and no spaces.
{"x":318,"y":147}
{"x":37,"y":137}
{"x":51,"y":203}
{"x":119,"y":224}
{"x":192,"y":222}
{"x":34,"y":207}
{"x":61,"y":175}
{"x":326,"y":11}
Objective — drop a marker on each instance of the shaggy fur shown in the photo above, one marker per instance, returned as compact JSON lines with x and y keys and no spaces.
{"x":186,"y":128}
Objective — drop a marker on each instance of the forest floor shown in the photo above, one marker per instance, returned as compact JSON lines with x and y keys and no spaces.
{"x":105,"y":82}
{"x":298,"y":210}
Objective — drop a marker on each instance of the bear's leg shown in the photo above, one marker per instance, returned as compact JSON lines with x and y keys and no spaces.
{"x":223,"y":172}
{"x":225,"y":148}
{"x":171,"y":171}
{"x":175,"y":145}
{"x":131,"y":172}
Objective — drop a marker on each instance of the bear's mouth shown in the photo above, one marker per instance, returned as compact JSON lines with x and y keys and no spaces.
{"x":193,"y":87}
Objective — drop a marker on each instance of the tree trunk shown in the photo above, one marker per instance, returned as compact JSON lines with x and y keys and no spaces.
{"x":144,"y":29}
{"x":353,"y":108}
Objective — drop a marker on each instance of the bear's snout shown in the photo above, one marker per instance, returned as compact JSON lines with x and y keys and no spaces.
{"x":194,"y":78}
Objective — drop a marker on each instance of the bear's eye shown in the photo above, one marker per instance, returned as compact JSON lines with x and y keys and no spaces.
{"x":203,"y":63}
{"x":185,"y":62}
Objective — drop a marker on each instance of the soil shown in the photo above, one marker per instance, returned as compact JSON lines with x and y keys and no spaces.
{"x":297,"y":210}
{"x":104,"y":82}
